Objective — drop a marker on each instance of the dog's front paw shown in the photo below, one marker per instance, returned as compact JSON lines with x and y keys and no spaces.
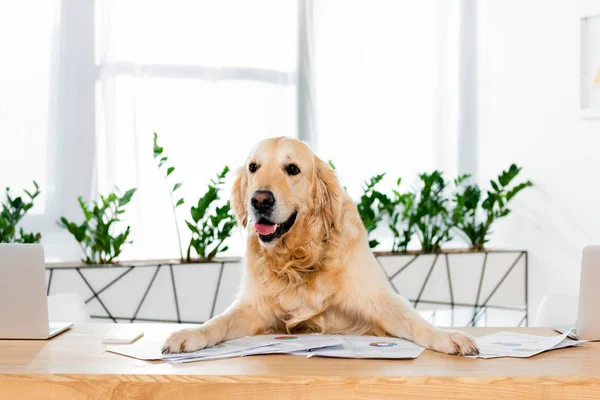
{"x":184,"y":341}
{"x":454,"y":342}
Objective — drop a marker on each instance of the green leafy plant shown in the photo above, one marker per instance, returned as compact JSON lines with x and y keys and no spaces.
{"x":371,"y":205}
{"x":13,"y":211}
{"x":97,"y":235}
{"x":473,"y":217}
{"x":427,"y":212}
{"x":211,"y":225}
{"x":161,"y":161}
{"x":398,"y":209}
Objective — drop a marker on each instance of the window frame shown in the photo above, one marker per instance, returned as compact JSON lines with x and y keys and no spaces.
{"x":72,"y":125}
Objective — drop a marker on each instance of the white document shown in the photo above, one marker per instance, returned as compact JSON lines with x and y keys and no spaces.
{"x":151,"y":349}
{"x":122,"y":337}
{"x":284,"y":344}
{"x":508,"y":344}
{"x":251,"y":345}
{"x":370,"y":347}
{"x":144,"y":349}
{"x":185,"y":358}
{"x":292,"y":343}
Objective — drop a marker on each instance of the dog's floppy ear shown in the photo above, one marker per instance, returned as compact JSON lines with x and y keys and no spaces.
{"x":238,"y":197}
{"x":328,"y":197}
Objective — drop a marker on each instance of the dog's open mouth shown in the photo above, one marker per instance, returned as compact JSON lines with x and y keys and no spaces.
{"x":269,"y":231}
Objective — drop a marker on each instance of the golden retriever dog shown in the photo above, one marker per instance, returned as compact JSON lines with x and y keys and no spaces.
{"x":308,"y":265}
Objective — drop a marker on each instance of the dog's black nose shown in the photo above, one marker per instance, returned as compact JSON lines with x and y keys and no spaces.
{"x":263,"y":200}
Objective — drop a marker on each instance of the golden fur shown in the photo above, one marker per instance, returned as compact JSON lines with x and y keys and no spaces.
{"x":320,"y":276}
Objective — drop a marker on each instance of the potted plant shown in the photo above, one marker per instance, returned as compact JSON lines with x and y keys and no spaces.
{"x":13,"y":211}
{"x":154,"y":290}
{"x":474,"y":215}
{"x":161,"y":160}
{"x":422,"y":212}
{"x":98,"y":235}
{"x":470,"y":283}
{"x":211,"y":225}
{"x":370,"y":206}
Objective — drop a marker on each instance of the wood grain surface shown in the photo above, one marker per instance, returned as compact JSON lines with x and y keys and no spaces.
{"x":74,"y":365}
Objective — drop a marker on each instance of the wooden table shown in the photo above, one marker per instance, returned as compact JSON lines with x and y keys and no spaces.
{"x":74,"y":365}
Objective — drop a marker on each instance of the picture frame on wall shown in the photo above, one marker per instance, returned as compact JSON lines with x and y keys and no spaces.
{"x":589,"y":74}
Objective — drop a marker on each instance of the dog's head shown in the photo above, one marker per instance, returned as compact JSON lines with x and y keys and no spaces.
{"x":284,"y":185}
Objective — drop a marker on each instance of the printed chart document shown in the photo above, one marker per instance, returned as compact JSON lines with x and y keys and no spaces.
{"x":508,"y":344}
{"x":370,"y":347}
{"x":267,"y":344}
{"x":151,"y":349}
{"x":502,"y":344}
{"x":251,"y":345}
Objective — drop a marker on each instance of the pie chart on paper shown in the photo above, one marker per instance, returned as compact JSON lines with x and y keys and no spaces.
{"x":285,"y":337}
{"x":383,"y":344}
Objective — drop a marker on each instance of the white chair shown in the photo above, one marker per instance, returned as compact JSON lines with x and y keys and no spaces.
{"x":67,"y":308}
{"x":557,"y":309}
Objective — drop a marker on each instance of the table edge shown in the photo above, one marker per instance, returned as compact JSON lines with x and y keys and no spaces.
{"x":298,"y":379}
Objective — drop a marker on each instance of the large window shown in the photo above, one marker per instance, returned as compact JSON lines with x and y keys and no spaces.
{"x":210,"y":77}
{"x":26,"y":50}
{"x":205,"y":75}
{"x":372,"y":85}
{"x":386,"y":77}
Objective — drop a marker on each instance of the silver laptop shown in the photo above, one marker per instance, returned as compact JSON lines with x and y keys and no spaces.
{"x":588,"y":317}
{"x":23,"y":301}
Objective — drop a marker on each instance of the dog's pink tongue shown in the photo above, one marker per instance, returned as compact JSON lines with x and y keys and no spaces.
{"x":265,"y":229}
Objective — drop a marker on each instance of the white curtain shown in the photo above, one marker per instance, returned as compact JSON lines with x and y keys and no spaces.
{"x":211,"y":78}
{"x":26,"y":43}
{"x":84,"y":85}
{"x":386,"y":76}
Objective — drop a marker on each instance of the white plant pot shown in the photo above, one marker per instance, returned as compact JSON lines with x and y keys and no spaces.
{"x":454,"y":288}
{"x":159,"y":291}
{"x":463,"y":288}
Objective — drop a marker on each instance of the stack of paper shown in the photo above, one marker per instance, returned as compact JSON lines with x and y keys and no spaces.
{"x":508,"y":344}
{"x":369,"y":347}
{"x":503,"y":344}
{"x":264,"y":344}
{"x":308,"y":345}
{"x":147,"y":349}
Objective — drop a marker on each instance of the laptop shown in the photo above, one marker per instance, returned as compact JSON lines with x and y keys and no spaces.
{"x":588,"y":317}
{"x":23,"y":301}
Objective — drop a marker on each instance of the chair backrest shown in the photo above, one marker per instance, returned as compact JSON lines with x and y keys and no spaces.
{"x":67,"y":307}
{"x":557,"y":309}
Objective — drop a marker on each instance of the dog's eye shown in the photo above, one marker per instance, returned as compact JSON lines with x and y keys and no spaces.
{"x":252,"y":167}
{"x":292,"y":169}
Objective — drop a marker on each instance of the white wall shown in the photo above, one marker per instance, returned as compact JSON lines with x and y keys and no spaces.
{"x":528,"y":92}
